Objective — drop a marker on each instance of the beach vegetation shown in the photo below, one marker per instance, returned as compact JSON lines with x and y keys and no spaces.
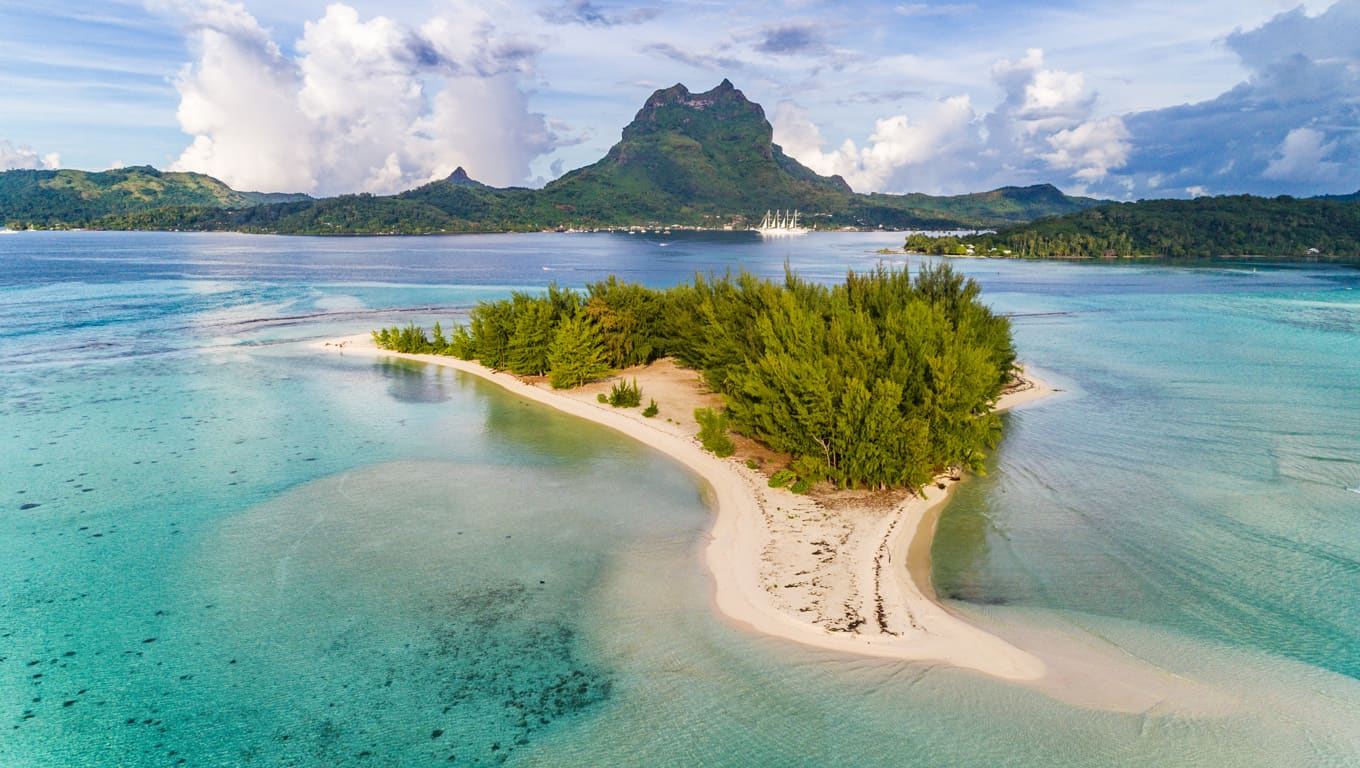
{"x":713,"y":432}
{"x":410,"y":339}
{"x":884,"y":380}
{"x":626,"y":394}
{"x":651,"y":410}
{"x":781,"y":478}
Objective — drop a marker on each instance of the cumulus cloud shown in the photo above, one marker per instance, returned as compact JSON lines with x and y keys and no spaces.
{"x":1303,"y":155}
{"x":363,"y":105}
{"x":1042,"y":129}
{"x":1089,"y":150}
{"x":24,"y":157}
{"x":1292,"y":127}
{"x":902,"y":151}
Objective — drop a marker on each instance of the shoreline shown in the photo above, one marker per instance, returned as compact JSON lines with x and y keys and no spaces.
{"x":855,"y":594}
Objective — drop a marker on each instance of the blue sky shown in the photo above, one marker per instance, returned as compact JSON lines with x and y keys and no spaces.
{"x":1148,"y":98}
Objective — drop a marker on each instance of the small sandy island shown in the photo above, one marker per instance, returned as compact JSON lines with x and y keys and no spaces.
{"x":847,"y":571}
{"x":850,"y":571}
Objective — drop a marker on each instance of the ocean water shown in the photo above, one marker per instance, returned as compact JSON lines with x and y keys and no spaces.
{"x":221,"y":544}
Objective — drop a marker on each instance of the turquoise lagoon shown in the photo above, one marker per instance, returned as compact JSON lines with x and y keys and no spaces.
{"x":221,"y":544}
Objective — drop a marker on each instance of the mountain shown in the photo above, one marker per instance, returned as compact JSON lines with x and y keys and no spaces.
{"x":49,"y":198}
{"x":1236,"y":225}
{"x":687,"y":156}
{"x":705,"y":159}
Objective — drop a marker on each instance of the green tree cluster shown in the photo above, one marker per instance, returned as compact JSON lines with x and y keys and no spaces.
{"x":944,"y":245}
{"x":883,"y":380}
{"x":1237,"y":225}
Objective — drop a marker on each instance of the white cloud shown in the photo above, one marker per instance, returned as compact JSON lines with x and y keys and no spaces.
{"x":26,"y":158}
{"x":940,"y":9}
{"x":1288,"y":128}
{"x":374,"y":106}
{"x":1302,"y":156}
{"x":1043,"y":123}
{"x":902,"y":151}
{"x":1091,"y":149}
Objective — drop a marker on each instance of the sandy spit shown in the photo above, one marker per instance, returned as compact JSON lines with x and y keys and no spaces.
{"x":846,"y":572}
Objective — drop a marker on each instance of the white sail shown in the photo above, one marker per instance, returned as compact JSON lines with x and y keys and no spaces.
{"x":783,"y":223}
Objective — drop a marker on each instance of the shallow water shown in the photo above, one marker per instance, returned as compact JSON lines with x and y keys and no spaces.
{"x":222,"y":546}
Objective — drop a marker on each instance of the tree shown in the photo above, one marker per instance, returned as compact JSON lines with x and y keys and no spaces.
{"x":576,"y":354}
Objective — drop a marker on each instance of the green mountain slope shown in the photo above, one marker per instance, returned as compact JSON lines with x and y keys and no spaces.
{"x":690,"y":157}
{"x":76,"y":198}
{"x":1239,"y":225}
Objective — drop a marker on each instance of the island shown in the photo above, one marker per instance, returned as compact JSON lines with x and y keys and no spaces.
{"x":853,"y":409}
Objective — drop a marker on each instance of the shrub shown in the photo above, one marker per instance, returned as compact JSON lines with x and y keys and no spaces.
{"x":802,"y":486}
{"x":651,"y":410}
{"x":408,"y":339}
{"x":625,"y":394}
{"x":713,"y":432}
{"x":782,"y":478}
{"x":602,"y":397}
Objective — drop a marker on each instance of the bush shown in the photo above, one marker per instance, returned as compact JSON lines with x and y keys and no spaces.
{"x":651,"y":410}
{"x":802,"y":486}
{"x":782,"y":478}
{"x":713,"y":432}
{"x":602,"y":397}
{"x":411,"y":339}
{"x":625,"y":394}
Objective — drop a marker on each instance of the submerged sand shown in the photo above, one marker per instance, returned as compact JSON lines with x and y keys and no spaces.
{"x":847,"y":571}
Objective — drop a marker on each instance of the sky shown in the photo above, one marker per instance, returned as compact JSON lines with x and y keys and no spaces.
{"x":1140,"y":99}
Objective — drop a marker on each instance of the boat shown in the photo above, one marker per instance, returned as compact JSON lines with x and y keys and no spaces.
{"x":780,"y":224}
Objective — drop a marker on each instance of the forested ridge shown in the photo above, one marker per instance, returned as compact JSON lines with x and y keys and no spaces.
{"x":1238,"y":225}
{"x":883,"y":380}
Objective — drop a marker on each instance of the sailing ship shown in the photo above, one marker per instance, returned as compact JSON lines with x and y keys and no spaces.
{"x":780,"y":224}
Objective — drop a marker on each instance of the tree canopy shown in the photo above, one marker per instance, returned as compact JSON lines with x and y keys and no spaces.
{"x":883,"y":380}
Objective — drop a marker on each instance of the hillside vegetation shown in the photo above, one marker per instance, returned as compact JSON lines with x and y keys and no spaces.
{"x":78,"y":198}
{"x":1241,"y":225}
